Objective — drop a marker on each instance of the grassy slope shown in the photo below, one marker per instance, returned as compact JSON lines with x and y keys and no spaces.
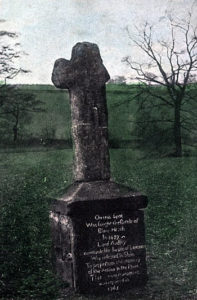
{"x":57,"y":114}
{"x":122,"y":114}
{"x":170,"y":217}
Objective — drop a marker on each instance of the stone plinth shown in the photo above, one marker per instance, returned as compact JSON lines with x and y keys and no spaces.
{"x":98,"y":237}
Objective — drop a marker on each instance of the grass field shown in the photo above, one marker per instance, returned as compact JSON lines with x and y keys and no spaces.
{"x":29,"y":174}
{"x":171,"y":225}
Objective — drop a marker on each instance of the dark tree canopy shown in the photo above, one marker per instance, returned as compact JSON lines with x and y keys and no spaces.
{"x":18,"y":106}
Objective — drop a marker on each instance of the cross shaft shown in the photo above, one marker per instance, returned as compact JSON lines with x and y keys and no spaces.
{"x":85,"y":77}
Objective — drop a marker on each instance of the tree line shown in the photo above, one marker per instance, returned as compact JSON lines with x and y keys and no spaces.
{"x":16,"y":105}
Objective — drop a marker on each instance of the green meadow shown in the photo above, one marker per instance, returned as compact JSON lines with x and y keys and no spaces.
{"x":149,"y":129}
{"x":29,"y":173}
{"x":54,"y":122}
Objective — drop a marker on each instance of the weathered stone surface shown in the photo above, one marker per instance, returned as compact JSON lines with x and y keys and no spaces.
{"x":97,"y":196}
{"x":85,"y":77}
{"x":109,"y":251}
{"x":61,"y":237}
{"x":106,"y":240}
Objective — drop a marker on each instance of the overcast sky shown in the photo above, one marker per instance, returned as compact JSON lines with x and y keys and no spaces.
{"x":50,"y":28}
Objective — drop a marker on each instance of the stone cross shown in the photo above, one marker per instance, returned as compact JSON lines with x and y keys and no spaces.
{"x":97,"y":225}
{"x":85,"y":77}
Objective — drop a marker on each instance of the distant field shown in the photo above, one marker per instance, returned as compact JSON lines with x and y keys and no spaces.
{"x":123,"y":113}
{"x":57,"y":115}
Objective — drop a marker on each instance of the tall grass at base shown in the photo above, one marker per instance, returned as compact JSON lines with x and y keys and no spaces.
{"x":25,"y":249}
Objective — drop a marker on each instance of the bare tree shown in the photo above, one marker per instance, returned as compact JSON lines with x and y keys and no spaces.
{"x":15,"y":103}
{"x":9,"y":53}
{"x":170,"y":64}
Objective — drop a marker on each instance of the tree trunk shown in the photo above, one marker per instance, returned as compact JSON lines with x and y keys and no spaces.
{"x":177,"y":129}
{"x":15,"y":131}
{"x":15,"y":127}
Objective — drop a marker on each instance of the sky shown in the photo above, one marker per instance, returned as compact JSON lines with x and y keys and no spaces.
{"x":48,"y":29}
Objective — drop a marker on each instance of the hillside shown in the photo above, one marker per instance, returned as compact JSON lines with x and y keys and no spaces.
{"x":132,"y":121}
{"x":56,"y":118}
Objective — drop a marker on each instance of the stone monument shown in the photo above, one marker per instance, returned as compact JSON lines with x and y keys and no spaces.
{"x":97,"y":225}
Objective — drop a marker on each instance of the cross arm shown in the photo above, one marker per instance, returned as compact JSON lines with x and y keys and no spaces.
{"x":62,"y":76}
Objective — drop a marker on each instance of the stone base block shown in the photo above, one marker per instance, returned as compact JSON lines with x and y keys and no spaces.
{"x":99,"y":237}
